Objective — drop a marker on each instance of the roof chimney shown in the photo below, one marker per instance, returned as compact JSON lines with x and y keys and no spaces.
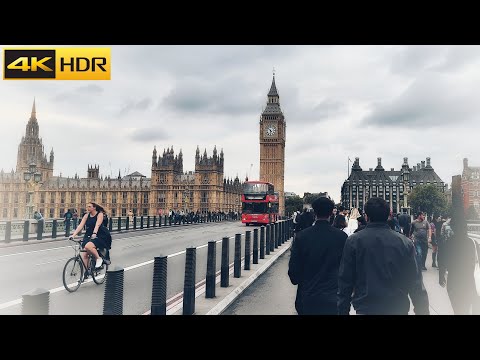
{"x":392,"y":169}
{"x":414,"y":168}
{"x":423,"y":164}
{"x":465,"y":163}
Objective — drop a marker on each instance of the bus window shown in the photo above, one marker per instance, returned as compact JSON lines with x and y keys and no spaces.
{"x":254,"y":208}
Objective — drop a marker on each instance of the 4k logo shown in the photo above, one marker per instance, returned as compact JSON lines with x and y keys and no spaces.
{"x":29,"y":64}
{"x":57,"y":64}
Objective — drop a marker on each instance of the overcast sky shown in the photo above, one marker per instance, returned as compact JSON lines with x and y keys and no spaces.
{"x":338,"y":101}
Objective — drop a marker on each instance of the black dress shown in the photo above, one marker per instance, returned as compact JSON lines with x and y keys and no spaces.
{"x":99,"y":242}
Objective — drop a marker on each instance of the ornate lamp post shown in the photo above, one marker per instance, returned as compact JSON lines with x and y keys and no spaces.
{"x":31,"y":177}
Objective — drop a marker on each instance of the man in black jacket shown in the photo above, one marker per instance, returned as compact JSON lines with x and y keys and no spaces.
{"x":379,"y":269}
{"x":314,"y":262}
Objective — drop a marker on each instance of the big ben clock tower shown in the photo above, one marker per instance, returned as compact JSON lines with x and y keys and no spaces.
{"x":272,"y":144}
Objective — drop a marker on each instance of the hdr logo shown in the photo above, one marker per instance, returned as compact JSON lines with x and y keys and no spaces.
{"x":57,"y":64}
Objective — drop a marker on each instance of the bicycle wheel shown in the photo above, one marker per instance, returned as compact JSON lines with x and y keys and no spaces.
{"x":72,"y":274}
{"x":99,"y":275}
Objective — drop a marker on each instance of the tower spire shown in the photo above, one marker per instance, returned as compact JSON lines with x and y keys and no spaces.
{"x":34,"y":112}
{"x":273,"y":89}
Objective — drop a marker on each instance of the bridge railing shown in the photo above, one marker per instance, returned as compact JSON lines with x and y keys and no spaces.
{"x":52,"y":228}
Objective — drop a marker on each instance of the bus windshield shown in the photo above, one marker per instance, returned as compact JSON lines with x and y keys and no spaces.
{"x":254,"y":188}
{"x":254,"y":208}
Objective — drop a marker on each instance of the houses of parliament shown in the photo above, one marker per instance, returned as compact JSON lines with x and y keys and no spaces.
{"x":33,"y":187}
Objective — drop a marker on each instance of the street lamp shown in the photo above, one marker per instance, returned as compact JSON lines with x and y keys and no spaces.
{"x":31,"y":177}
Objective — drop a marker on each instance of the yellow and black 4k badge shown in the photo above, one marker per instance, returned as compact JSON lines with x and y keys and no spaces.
{"x":57,"y":64}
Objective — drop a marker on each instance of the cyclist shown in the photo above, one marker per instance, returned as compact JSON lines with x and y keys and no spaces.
{"x":93,"y":219}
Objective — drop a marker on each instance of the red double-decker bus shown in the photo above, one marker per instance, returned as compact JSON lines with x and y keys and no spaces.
{"x":259,"y":203}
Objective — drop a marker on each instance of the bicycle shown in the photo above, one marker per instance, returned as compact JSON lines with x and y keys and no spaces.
{"x":74,"y":269}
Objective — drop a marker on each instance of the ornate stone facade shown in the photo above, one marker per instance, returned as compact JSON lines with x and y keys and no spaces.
{"x":169,"y":187}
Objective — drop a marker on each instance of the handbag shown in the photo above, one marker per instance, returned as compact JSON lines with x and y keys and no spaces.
{"x":476,"y":272}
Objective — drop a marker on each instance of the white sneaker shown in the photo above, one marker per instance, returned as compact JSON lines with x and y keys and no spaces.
{"x":99,"y":262}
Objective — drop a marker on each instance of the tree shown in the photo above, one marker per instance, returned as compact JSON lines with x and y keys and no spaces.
{"x":472,"y":213}
{"x":429,"y":199}
{"x":293,"y":203}
{"x":309,"y":198}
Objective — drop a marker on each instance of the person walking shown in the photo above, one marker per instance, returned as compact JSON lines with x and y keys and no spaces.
{"x":75,"y":218}
{"x":378,"y":271}
{"x":458,"y":262}
{"x":67,"y":221}
{"x":404,"y":221}
{"x":314,"y":261}
{"x":421,"y":234}
{"x":439,"y":238}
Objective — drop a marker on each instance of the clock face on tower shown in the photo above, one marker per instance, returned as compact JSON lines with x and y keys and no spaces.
{"x":270,"y":130}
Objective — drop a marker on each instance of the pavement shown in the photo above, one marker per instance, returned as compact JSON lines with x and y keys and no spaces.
{"x":40,"y":265}
{"x":273,"y":293}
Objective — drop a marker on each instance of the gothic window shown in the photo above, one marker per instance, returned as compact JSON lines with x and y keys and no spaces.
{"x":15,"y":213}
{"x":72,"y":197}
{"x":114,"y":199}
{"x":52,"y":198}
{"x":94,"y":196}
{"x":145,"y":198}
{"x":16,"y":198}
{"x":83,"y":198}
{"x":163,"y":179}
{"x":52,"y":213}
{"x":104,"y":197}
{"x":135,"y":197}
{"x":124,"y":196}
{"x":114,"y":211}
{"x":124,"y":212}
{"x":63,"y":195}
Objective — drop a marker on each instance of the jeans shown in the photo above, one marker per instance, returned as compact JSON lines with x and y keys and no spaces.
{"x":421,"y":248}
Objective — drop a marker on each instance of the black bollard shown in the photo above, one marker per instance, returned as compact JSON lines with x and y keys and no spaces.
{"x":169,"y":221}
{"x":275,"y":235}
{"x":159,"y":288}
{"x":237,"y":261}
{"x":262,"y":242}
{"x":225,"y":266}
{"x":189,"y":282}
{"x":127,"y":224}
{"x":110,"y":225}
{"x":141,"y":222}
{"x":67,"y":228}
{"x":154,"y":221}
{"x":26,"y":229}
{"x":272,"y":236}
{"x":148,"y":222}
{"x":54,"y":229}
{"x":134,"y":223}
{"x":267,"y":238}
{"x":119,"y":226}
{"x":211,"y":273}
{"x":113,"y":295}
{"x":8,"y":231}
{"x":255,"y":246}
{"x":246,"y":266}
{"x":36,"y":302}
{"x":165,"y":220}
{"x":40,"y":229}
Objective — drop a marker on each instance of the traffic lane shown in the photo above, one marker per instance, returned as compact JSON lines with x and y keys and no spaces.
{"x":88,"y":299}
{"x":36,"y":245}
{"x":46,"y":271}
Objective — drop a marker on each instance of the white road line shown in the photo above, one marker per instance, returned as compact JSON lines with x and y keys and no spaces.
{"x":35,"y":251}
{"x":177,"y":253}
{"x":50,"y":262}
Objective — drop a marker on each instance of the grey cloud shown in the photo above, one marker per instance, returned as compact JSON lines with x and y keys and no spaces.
{"x":148,"y":134}
{"x":228,"y":96}
{"x":90,"y":89}
{"x":140,"y":105}
{"x":429,"y":101}
{"x":416,"y":58}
